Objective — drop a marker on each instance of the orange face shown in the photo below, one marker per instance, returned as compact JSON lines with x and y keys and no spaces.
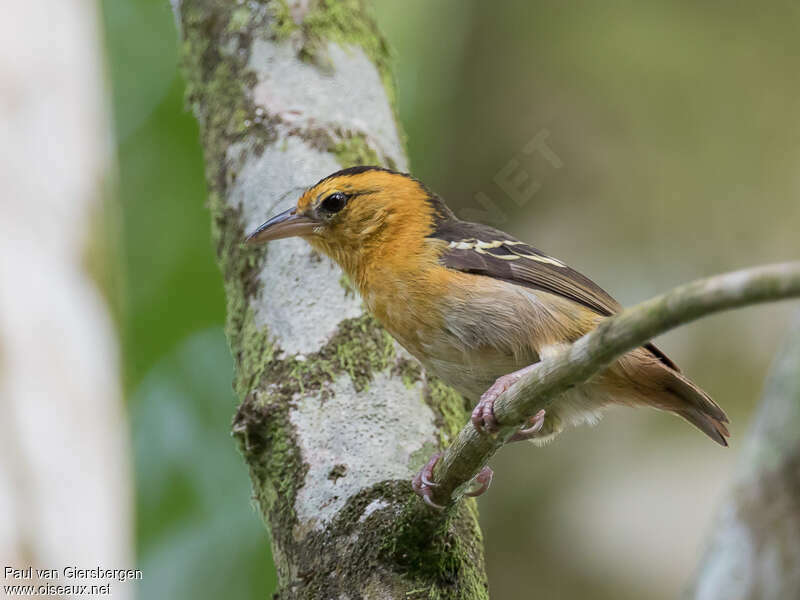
{"x":355,"y":209}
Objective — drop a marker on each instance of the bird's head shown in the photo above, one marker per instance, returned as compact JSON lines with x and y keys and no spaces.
{"x":355,"y":213}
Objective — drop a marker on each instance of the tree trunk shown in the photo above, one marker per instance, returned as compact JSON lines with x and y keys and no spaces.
{"x":65,"y":481}
{"x":334,"y":418}
{"x":754,"y":552}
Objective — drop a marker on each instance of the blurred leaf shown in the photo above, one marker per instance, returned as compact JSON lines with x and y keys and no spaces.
{"x":195,"y":520}
{"x":194,"y":514}
{"x":174,"y":286}
{"x":142,"y":49}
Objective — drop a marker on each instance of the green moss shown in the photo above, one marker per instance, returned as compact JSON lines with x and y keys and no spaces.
{"x":409,"y":370}
{"x":401,"y":547}
{"x":347,"y":22}
{"x":240,"y":19}
{"x":221,"y":78}
{"x":442,"y":552}
{"x":276,"y":467}
{"x":450,"y":408}
{"x":359,"y":348}
{"x":283,"y":25}
{"x":250,"y":347}
{"x":346,"y":284}
{"x":354,"y":151}
{"x":337,"y":472}
{"x":362,"y":347}
{"x":349,"y":149}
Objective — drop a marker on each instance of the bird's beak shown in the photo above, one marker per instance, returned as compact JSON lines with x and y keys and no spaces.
{"x":286,"y":224}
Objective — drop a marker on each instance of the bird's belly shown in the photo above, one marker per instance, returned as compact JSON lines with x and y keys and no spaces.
{"x":581,"y":404}
{"x":467,"y":346}
{"x":471,"y":381}
{"x":470,"y":371}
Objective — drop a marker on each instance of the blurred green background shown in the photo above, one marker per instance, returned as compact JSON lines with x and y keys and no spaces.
{"x":675,"y":128}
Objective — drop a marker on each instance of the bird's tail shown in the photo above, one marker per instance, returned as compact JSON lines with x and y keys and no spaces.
{"x":662,"y":386}
{"x":698,"y":408}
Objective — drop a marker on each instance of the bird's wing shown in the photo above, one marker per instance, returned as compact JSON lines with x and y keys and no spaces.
{"x":483,"y":250}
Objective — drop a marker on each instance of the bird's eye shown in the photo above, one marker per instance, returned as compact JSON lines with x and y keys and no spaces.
{"x":334,"y":203}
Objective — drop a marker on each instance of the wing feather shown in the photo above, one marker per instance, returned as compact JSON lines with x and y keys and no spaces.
{"x":483,"y":250}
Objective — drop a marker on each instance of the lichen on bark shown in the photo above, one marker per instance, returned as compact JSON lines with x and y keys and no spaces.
{"x":334,"y":417}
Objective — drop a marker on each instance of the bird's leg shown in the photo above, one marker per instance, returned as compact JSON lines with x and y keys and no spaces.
{"x":484,"y":421}
{"x":483,"y":418}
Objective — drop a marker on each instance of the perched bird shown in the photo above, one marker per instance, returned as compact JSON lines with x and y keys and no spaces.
{"x":475,"y":305}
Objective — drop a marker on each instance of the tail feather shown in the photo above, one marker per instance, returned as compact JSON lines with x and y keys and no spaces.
{"x":713,"y":428}
{"x":675,"y":393}
{"x":697,"y":407}
{"x":688,"y":391}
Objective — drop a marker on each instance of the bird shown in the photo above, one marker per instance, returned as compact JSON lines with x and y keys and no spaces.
{"x":477,"y":307}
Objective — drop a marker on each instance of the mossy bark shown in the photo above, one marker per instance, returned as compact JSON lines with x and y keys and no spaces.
{"x":334,"y":418}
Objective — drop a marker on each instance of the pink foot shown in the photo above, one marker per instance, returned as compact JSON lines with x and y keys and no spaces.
{"x":484,"y":480}
{"x":423,"y":483}
{"x":483,"y":414}
{"x":483,"y":418}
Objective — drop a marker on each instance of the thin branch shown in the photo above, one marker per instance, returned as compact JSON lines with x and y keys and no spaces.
{"x":598,"y":349}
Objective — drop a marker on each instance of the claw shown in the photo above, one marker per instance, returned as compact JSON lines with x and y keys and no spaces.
{"x":416,"y":485}
{"x":426,"y":474}
{"x":536,"y":423}
{"x":426,"y":497}
{"x":484,"y":478}
{"x":423,"y":483}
